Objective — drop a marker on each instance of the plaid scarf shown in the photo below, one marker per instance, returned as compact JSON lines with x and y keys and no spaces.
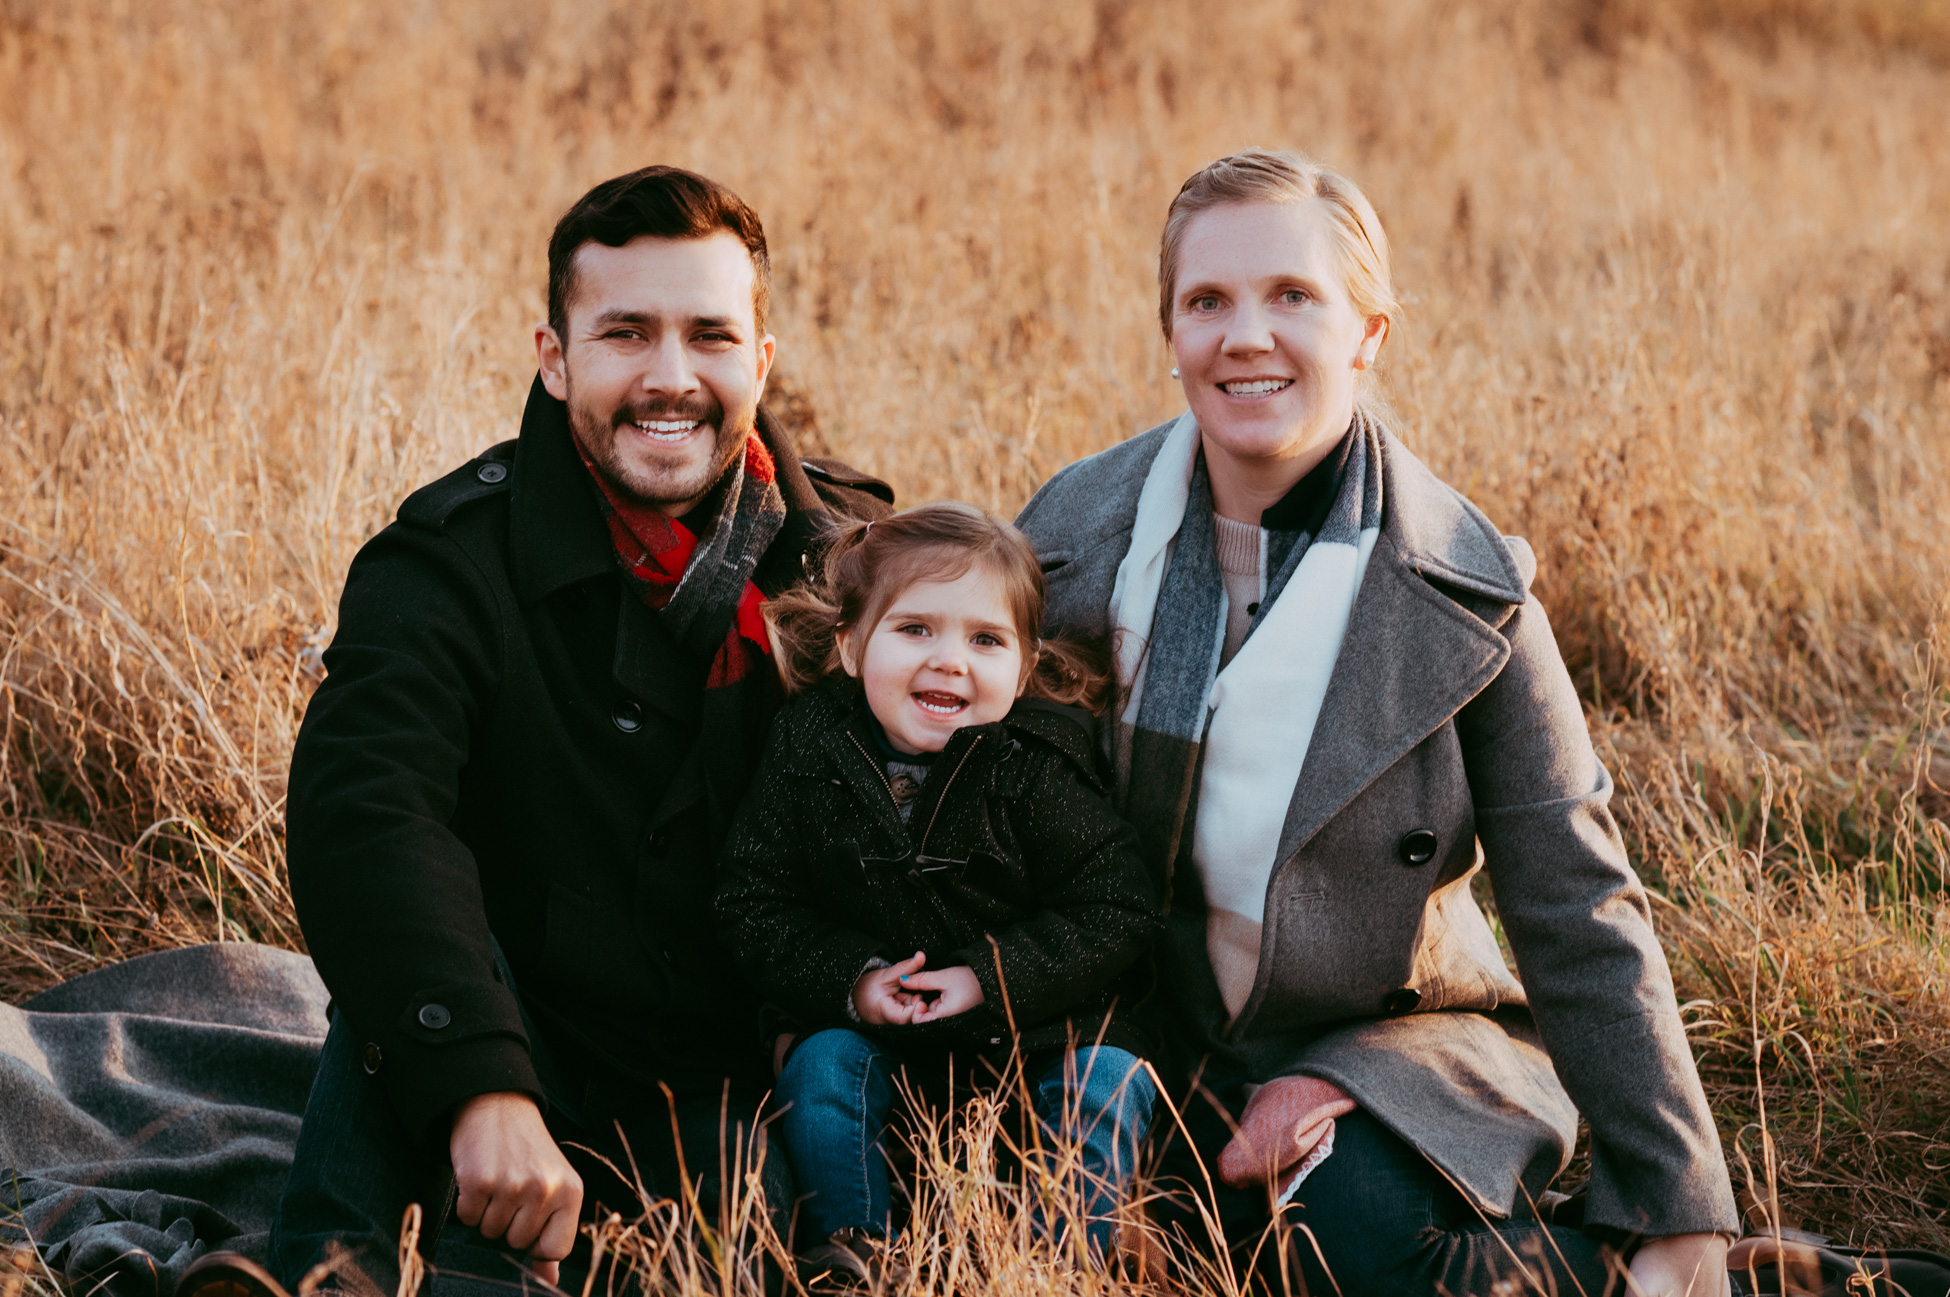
{"x":1240,"y":734}
{"x":703,"y":586}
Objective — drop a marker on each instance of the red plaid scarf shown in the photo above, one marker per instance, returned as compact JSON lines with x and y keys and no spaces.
{"x":655,"y":551}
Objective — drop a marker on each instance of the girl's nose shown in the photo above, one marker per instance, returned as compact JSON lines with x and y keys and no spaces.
{"x":948,"y":657}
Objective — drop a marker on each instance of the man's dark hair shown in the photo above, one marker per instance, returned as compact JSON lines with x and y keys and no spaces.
{"x":664,"y":203}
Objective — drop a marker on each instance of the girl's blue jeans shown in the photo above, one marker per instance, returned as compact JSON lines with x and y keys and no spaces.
{"x":838,"y":1094}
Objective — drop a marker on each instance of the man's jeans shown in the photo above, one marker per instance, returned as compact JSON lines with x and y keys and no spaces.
{"x":838,"y":1094}
{"x":357,"y":1168}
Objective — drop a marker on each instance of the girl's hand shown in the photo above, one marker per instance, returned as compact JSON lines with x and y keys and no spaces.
{"x":880,"y":998}
{"x":1683,"y":1265}
{"x":958,"y":992}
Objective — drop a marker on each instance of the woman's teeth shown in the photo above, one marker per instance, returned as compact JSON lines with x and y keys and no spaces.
{"x":940,"y":704}
{"x":1258,"y":387}
{"x":667,"y":429}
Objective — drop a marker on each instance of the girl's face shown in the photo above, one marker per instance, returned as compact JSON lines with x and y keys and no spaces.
{"x":1268,"y":344}
{"x":944,"y":655}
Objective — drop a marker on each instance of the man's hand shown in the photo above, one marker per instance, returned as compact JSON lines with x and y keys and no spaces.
{"x":958,"y":992}
{"x":1682,"y":1265}
{"x":879,"y":997}
{"x":513,"y":1180}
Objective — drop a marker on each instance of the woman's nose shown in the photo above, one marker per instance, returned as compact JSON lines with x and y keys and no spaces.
{"x":1248,"y":333}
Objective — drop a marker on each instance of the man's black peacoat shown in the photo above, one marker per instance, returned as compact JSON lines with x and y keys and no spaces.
{"x":507,"y":748}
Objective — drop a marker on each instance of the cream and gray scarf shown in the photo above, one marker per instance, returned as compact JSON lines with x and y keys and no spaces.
{"x":1241,"y":731}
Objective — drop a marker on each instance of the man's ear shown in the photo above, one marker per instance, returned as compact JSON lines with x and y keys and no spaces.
{"x":768,"y":347}
{"x":844,"y":643}
{"x":550,"y":360}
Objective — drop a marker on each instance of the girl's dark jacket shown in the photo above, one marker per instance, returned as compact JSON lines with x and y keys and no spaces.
{"x":1011,"y":862}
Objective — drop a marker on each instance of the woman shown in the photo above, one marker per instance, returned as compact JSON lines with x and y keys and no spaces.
{"x":1337,"y":687}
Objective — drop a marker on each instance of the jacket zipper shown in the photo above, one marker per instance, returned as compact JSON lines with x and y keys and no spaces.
{"x":878,"y":772}
{"x":942,"y":800}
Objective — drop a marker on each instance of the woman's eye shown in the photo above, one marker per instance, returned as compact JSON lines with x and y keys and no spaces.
{"x":1205,"y":303}
{"x":1294,"y":296}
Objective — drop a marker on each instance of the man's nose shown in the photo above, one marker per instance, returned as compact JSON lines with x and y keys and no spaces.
{"x":668,"y":370}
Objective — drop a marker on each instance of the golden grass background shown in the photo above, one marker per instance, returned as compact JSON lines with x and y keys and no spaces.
{"x":1678,"y":282}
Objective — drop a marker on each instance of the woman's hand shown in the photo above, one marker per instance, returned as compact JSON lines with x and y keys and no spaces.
{"x":880,"y":998}
{"x":958,"y":992}
{"x":1682,"y":1265}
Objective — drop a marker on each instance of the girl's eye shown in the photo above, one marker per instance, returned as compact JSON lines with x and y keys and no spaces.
{"x":911,"y":628}
{"x":983,"y":639}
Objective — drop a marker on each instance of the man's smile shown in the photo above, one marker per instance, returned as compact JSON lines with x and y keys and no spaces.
{"x":668,"y":431}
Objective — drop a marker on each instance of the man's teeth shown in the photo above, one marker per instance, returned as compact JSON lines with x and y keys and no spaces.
{"x":668,"y":429}
{"x":1258,"y":387}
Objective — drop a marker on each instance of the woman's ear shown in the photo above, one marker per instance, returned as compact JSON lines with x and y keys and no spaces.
{"x":1371,"y":340}
{"x":843,"y":641}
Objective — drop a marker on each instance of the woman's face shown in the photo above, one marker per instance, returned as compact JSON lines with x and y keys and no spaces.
{"x":1268,"y":345}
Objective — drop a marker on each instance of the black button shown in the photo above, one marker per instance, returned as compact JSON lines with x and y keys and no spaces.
{"x":1252,"y":609}
{"x":372,"y":1059}
{"x":628,"y":716}
{"x":1402,"y":1001}
{"x":492,"y":472}
{"x":659,"y":842}
{"x":1417,"y":847}
{"x":434,"y":1016}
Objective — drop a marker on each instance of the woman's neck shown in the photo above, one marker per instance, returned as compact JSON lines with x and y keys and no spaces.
{"x":1243,"y":487}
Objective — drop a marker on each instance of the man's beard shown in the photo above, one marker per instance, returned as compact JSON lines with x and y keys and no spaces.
{"x":599,"y":433}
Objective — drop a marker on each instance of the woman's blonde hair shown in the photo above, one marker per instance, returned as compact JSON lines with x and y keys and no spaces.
{"x":869,"y":565}
{"x":1280,"y":176}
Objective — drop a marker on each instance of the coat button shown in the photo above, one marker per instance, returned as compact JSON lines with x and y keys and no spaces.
{"x":659,"y":842}
{"x":628,"y":716}
{"x":434,"y":1016}
{"x":1402,"y":1001}
{"x":1417,"y":847}
{"x":371,"y":1059}
{"x":492,"y":472}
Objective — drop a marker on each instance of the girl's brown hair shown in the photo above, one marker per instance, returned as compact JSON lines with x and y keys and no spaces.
{"x":868,"y":566}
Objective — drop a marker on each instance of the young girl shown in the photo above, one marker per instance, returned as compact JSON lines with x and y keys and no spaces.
{"x":928,"y":856}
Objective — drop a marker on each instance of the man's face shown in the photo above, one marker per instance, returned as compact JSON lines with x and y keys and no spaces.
{"x":660,"y":363}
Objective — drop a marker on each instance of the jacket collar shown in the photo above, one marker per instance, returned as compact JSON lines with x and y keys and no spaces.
{"x":1413,"y":654}
{"x":556,"y":529}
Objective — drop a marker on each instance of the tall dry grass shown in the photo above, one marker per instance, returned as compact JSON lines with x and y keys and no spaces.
{"x":1679,"y":311}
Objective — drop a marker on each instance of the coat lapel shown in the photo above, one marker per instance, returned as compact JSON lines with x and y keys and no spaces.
{"x":1412,"y":655}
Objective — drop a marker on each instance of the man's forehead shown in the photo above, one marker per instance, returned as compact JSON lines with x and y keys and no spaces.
{"x":711,"y":276}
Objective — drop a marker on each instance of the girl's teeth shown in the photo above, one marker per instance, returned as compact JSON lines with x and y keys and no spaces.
{"x":1260,"y":388}
{"x":941,"y":708}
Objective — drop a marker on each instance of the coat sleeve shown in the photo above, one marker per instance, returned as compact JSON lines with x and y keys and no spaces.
{"x":388,"y":896}
{"x":1100,"y":908}
{"x":768,"y":906}
{"x":1581,"y":929}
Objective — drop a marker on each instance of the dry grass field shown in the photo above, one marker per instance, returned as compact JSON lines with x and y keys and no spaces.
{"x":1678,"y":286}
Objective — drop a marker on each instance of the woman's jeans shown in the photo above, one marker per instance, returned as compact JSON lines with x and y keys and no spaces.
{"x":838,"y":1094}
{"x":1374,"y":1218}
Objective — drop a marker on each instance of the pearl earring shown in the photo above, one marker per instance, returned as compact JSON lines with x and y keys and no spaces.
{"x":1174,"y":371}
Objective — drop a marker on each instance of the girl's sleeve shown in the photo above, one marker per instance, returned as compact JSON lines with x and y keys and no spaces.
{"x":1100,"y":909}
{"x":768,"y":912}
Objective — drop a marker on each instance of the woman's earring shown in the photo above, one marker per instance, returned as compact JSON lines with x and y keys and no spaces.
{"x":1174,"y":371}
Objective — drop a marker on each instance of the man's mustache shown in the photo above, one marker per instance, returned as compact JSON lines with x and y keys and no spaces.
{"x":705,"y":411}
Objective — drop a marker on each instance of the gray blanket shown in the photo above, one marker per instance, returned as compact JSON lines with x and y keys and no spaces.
{"x":148,"y":1111}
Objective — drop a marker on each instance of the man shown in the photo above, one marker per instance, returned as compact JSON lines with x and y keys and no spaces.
{"x":548,"y":690}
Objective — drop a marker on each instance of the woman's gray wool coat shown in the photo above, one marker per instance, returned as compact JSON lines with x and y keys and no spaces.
{"x":1450,"y":710}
